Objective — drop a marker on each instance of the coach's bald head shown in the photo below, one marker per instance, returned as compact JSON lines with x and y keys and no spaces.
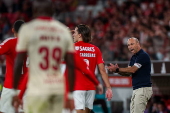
{"x":133,"y":38}
{"x":43,"y":8}
{"x":133,"y":45}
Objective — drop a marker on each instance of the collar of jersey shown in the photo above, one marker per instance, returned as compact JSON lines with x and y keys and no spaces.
{"x":139,"y":52}
{"x":45,"y":18}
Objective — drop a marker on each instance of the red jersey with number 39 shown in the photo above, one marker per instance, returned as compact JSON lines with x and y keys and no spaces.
{"x":7,"y":48}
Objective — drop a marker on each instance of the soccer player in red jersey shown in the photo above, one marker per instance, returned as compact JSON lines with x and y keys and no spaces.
{"x":7,"y":48}
{"x":93,"y":57}
{"x":84,"y":78}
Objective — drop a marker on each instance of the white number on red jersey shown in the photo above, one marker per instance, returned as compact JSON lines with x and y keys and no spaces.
{"x":87,"y":62}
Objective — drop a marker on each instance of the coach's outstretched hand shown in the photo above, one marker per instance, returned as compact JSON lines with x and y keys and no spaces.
{"x":112,"y":67}
{"x":109,"y":94}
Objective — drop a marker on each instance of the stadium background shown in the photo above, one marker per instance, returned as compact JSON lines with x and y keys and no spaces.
{"x":112,"y":23}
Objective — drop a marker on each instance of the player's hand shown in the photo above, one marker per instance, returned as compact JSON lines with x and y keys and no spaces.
{"x":69,"y":105}
{"x":16,"y":102}
{"x":100,"y":89}
{"x":109,"y":94}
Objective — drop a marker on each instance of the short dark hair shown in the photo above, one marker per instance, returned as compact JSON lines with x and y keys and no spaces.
{"x":17,"y":25}
{"x":85,"y":32}
{"x":43,"y":8}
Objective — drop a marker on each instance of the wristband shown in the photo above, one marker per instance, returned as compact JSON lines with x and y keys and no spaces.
{"x":70,"y":95}
{"x":117,"y":70}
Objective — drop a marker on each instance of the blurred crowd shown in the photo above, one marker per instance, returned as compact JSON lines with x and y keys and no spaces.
{"x":112,"y":25}
{"x":158,"y":104}
{"x":112,"y":22}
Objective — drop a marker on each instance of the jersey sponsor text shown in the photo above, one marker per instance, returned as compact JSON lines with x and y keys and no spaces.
{"x":87,"y":54}
{"x":81,"y":48}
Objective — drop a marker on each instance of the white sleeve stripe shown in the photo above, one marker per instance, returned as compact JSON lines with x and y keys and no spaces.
{"x":138,"y":65}
{"x":6,"y":41}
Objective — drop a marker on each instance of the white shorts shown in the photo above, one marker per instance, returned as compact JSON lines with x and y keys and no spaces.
{"x":6,"y":101}
{"x":83,"y":99}
{"x":51,"y":103}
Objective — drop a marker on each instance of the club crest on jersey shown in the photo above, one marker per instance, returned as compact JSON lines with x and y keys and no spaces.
{"x":81,"y":48}
{"x":77,"y":48}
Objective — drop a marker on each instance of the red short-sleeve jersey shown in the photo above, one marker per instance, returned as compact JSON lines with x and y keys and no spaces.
{"x":90,"y":53}
{"x":7,"y":48}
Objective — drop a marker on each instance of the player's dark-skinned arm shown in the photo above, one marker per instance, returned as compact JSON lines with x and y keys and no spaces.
{"x":16,"y":77}
{"x":17,"y":99}
{"x":70,"y":61}
{"x":24,"y":87}
{"x":18,"y":68}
